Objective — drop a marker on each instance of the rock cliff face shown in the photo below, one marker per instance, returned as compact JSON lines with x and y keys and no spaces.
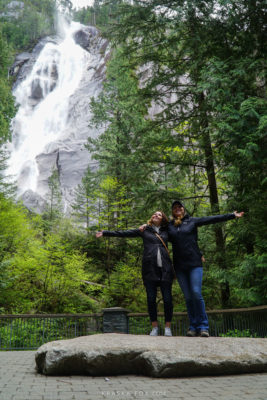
{"x":13,"y":9}
{"x":53,"y":88}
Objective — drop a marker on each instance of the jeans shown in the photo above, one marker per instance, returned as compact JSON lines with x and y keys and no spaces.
{"x":151,"y":291}
{"x":190,"y":282}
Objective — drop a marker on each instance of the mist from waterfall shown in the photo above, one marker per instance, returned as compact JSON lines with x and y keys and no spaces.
{"x":42,"y":99}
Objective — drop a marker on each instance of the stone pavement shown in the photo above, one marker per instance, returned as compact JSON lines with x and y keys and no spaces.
{"x":19,"y":381}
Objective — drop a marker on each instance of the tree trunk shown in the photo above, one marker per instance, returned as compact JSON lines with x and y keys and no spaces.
{"x":214,"y":202}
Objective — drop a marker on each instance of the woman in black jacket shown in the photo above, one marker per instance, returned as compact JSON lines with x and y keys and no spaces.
{"x":182,"y":231}
{"x":157,"y":268}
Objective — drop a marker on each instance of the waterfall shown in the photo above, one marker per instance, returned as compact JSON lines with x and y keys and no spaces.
{"x":43,"y":104}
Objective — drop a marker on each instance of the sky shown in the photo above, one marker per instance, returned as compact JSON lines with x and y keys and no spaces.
{"x":81,"y":3}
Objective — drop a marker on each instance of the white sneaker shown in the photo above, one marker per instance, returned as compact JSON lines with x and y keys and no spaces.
{"x":168,"y":332}
{"x":155,"y":331}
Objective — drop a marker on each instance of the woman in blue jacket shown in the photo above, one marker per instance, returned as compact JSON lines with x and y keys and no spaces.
{"x":182,"y":231}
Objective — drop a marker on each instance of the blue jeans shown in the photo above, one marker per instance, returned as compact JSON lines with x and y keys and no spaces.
{"x":166,"y":291}
{"x":190,"y":281}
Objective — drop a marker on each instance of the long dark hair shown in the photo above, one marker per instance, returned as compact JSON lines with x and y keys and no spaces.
{"x":164,"y":221}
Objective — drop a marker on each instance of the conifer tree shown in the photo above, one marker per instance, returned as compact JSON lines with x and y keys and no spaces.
{"x":54,"y":206}
{"x":185,"y":45}
{"x":7,"y":111}
{"x":85,"y":205}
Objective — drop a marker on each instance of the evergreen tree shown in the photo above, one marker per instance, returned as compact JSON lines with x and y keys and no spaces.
{"x":99,"y":14}
{"x":7,"y":111}
{"x":26,"y":24}
{"x":182,"y":43}
{"x":85,"y":204}
{"x":54,"y":206}
{"x":130,"y":148}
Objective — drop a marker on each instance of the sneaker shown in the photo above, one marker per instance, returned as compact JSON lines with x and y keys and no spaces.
{"x":191,"y":333}
{"x":155,"y":331}
{"x":168,"y":331}
{"x":204,"y":333}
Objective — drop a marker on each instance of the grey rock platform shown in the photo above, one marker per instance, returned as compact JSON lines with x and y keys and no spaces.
{"x":168,"y":357}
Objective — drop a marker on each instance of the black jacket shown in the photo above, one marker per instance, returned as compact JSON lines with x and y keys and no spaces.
{"x":150,"y":270}
{"x":186,"y":253}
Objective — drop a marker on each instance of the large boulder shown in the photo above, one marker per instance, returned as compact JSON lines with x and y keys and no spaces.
{"x":117,"y":354}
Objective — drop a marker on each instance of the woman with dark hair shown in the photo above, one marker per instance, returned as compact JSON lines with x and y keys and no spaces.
{"x":187,"y":260}
{"x":157,"y":269}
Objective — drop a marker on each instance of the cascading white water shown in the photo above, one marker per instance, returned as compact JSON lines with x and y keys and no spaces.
{"x":43,"y":99}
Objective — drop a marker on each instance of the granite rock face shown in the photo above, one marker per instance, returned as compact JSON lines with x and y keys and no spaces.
{"x":14,"y":9}
{"x":24,"y":62}
{"x":86,"y":36}
{"x":162,"y":357}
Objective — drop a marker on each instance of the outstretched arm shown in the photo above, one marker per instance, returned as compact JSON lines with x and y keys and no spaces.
{"x":218,"y":218}
{"x":126,"y":233}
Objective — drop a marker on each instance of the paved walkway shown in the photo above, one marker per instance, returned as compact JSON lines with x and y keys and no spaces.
{"x":19,"y":381}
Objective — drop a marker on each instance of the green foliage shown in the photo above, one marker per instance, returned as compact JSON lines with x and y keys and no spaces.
{"x":238,"y":333}
{"x":200,"y":54}
{"x":131,"y":148}
{"x":99,"y":14}
{"x":249,"y":280}
{"x":126,"y":287}
{"x":136,"y":328}
{"x":7,"y":109}
{"x":49,"y":270}
{"x":51,"y":274}
{"x":31,"y":333}
{"x":114,"y":204}
{"x":225,"y":82}
{"x":54,"y":207}
{"x":23,"y":26}
{"x":15,"y":232}
{"x":201,"y":69}
{"x":85,"y":205}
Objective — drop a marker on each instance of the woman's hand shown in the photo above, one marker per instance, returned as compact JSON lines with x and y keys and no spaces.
{"x":239,"y":215}
{"x":99,"y":234}
{"x":142,"y":227}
